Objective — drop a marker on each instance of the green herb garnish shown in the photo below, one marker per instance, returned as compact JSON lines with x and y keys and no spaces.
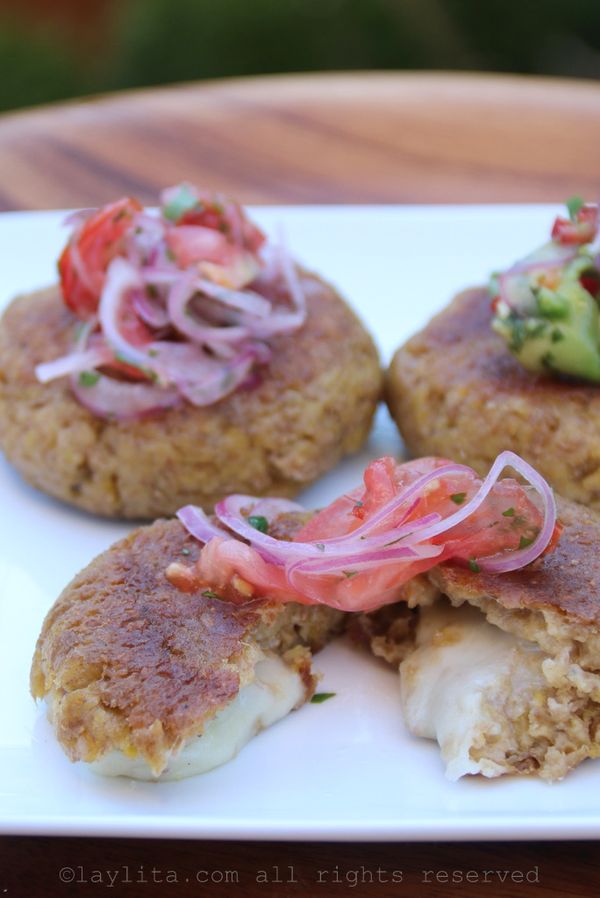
{"x":574,"y":204}
{"x":458,"y":498}
{"x":509,"y":513}
{"x":184,"y":200}
{"x":209,"y":594}
{"x":524,"y":542}
{"x":320,"y":697}
{"x":473,"y":566}
{"x":349,"y":574}
{"x":89,"y":378}
{"x":259,"y":523}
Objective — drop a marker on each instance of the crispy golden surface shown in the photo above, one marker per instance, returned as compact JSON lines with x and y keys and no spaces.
{"x":567,"y":580}
{"x":314,"y":405}
{"x":129,"y":662}
{"x":455,"y":390}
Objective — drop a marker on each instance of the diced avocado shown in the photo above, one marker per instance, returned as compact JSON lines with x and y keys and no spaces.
{"x":563,"y":335}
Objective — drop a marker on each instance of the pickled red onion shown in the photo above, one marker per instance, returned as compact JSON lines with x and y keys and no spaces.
{"x":151,"y":306}
{"x":362,"y":567}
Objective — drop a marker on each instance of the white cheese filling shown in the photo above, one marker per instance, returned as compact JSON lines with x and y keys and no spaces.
{"x":454,"y":683}
{"x":275,"y":690}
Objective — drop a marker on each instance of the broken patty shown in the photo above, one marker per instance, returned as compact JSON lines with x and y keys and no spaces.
{"x":504,"y":669}
{"x":147,"y":681}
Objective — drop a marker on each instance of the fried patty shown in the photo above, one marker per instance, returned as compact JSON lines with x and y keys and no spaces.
{"x":314,"y":405}
{"x":455,"y":390}
{"x":129,"y":663}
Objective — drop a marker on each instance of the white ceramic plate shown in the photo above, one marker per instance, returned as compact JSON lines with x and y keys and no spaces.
{"x":345,"y":769}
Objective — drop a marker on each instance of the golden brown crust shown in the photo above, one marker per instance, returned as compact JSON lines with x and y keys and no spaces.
{"x":566,"y":581}
{"x":314,"y":405}
{"x":123,"y":641}
{"x":455,"y":390}
{"x":129,"y":662}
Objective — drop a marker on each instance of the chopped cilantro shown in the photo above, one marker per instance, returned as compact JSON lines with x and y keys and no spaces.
{"x":209,"y":594}
{"x":548,"y":360}
{"x":473,"y":566}
{"x":89,"y":378}
{"x":320,"y":697}
{"x":509,"y":513}
{"x":574,"y":204}
{"x":182,"y":201}
{"x":458,"y":498}
{"x":259,"y":523}
{"x":524,"y":542}
{"x":349,"y":574}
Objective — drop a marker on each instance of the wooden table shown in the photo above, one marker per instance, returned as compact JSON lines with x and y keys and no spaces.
{"x":360,"y":138}
{"x":357,"y":138}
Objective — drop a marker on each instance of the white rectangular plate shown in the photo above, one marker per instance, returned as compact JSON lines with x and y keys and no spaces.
{"x":345,"y":769}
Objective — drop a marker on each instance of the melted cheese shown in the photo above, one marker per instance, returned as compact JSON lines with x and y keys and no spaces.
{"x":275,"y":690}
{"x":454,"y":683}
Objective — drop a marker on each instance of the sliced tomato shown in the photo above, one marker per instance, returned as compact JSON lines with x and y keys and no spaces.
{"x":226,"y":217}
{"x":197,"y":243}
{"x":506,"y":520}
{"x":579,"y":231}
{"x":138,"y":334}
{"x":83,"y":263}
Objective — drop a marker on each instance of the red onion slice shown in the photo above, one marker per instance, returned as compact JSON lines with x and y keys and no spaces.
{"x":152,"y":294}
{"x":121,"y":279}
{"x":73,"y":363}
{"x":230,"y":512}
{"x":116,"y":399}
{"x":405,"y":545}
{"x":223,"y":379}
{"x":243,"y":300}
{"x":361,"y":561}
{"x":407,"y":495}
{"x":179,"y":297}
{"x":521,"y":557}
{"x":122,"y":401}
{"x":270,"y":508}
{"x":551,"y":255}
{"x":197,"y":522}
{"x":151,"y":312}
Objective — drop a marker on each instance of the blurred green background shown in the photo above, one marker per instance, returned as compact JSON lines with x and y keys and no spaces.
{"x":54,"y":49}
